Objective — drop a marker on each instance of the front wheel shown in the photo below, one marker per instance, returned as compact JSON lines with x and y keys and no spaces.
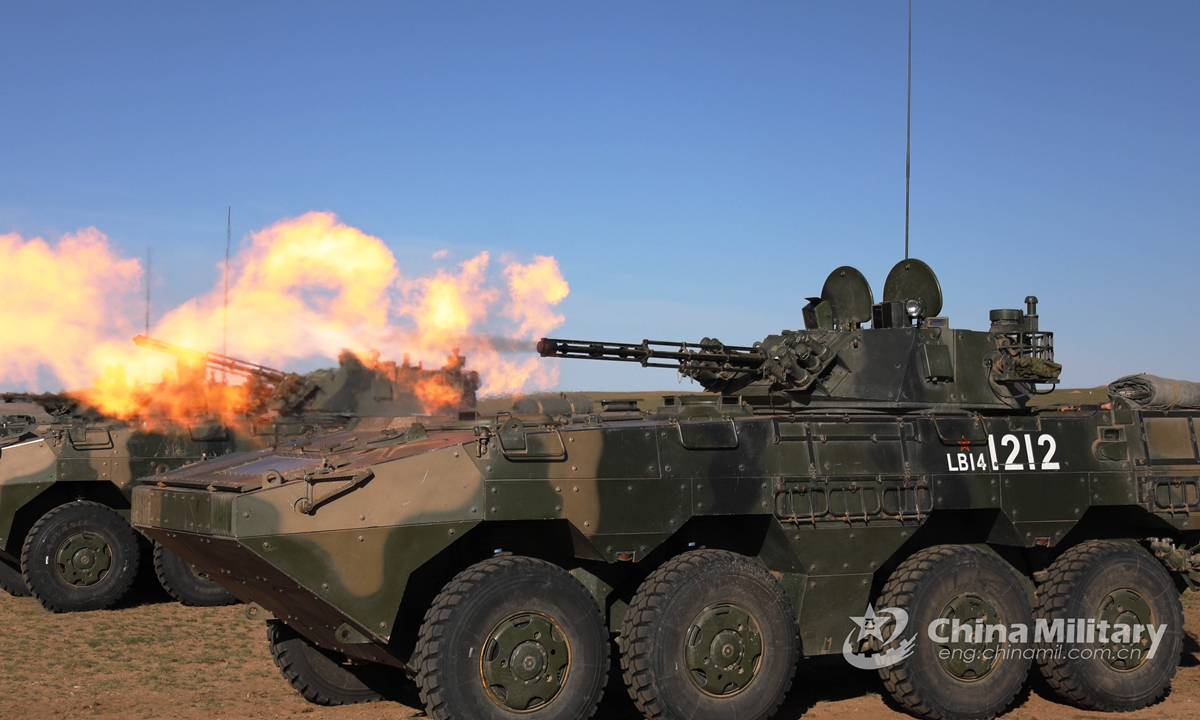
{"x":185,"y":583}
{"x":1128,"y":626}
{"x":512,"y":637}
{"x":80,"y":556}
{"x":325,"y":677}
{"x":709,"y":635}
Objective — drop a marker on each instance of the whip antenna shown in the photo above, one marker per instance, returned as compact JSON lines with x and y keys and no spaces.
{"x":908,"y":135}
{"x":149,"y":264}
{"x":145,"y":359}
{"x":225,"y":313}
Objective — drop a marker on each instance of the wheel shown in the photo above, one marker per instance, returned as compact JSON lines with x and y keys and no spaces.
{"x":709,"y":635}
{"x":978,"y":671}
{"x":326,"y":677}
{"x":80,"y":556}
{"x":11,"y":581}
{"x":1114,"y":584}
{"x":512,"y":635}
{"x":185,"y":583}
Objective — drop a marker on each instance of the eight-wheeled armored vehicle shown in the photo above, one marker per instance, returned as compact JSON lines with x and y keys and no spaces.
{"x":885,"y":493}
{"x":66,"y":470}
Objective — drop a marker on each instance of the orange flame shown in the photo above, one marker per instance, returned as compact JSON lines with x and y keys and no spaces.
{"x":436,"y":395}
{"x":304,"y":287}
{"x":173,"y":398}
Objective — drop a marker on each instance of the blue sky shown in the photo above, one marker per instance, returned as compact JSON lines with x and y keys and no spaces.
{"x":696,"y":168}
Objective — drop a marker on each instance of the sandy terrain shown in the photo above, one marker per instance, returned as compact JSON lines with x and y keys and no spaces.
{"x":151,"y":658}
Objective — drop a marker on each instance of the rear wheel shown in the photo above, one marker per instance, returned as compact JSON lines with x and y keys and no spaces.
{"x":1114,"y":584}
{"x":512,"y":636}
{"x":11,"y":581}
{"x":958,"y":592}
{"x":80,"y":556}
{"x":185,"y":583}
{"x":326,"y":677}
{"x":709,"y":635}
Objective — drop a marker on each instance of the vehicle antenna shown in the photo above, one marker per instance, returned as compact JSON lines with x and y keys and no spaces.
{"x":225,"y":315}
{"x":145,"y":356}
{"x":149,"y":264}
{"x":908,"y":135}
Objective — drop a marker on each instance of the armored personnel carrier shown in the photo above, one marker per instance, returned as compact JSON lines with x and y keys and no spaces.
{"x":885,"y":493}
{"x":66,"y":470}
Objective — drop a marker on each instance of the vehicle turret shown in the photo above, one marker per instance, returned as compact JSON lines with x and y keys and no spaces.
{"x":909,"y":359}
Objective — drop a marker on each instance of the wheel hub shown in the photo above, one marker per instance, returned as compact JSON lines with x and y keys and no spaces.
{"x":83,"y":559}
{"x":527,"y":661}
{"x":1123,"y":607}
{"x":524,"y":661}
{"x":970,"y":656}
{"x":722,"y":649}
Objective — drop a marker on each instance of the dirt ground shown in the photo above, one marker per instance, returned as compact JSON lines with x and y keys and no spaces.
{"x":151,"y":658}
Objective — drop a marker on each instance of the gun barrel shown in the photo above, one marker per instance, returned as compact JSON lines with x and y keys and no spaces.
{"x":217,"y":361}
{"x":214,"y":361}
{"x":188,"y":354}
{"x":653,"y":353}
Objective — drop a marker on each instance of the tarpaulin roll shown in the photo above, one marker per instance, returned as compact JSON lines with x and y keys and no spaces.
{"x":1149,"y":392}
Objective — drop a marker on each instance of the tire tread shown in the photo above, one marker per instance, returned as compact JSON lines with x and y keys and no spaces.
{"x":1062,"y":576}
{"x":31,"y":537}
{"x":438,"y":616}
{"x":898,"y":592}
{"x":643,"y":613}
{"x":164,"y":579}
{"x":287,"y":666}
{"x":12,"y":582}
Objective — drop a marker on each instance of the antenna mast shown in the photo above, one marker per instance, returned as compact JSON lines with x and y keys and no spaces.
{"x":908,"y":135}
{"x":145,"y":358}
{"x":225,"y":315}
{"x":149,"y":264}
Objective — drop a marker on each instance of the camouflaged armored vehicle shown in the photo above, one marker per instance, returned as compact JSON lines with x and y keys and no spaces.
{"x":65,"y":477}
{"x":66,"y":471}
{"x":885,"y":493}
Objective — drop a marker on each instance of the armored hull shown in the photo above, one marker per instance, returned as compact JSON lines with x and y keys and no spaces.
{"x":724,"y":535}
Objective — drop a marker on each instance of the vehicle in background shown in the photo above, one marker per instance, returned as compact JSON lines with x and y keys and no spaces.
{"x":66,"y":470}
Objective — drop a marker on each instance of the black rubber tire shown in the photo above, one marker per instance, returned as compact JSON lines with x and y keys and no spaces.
{"x":325,"y":677}
{"x":11,"y":580}
{"x":47,"y":535}
{"x":1076,"y":583}
{"x":468,"y":609}
{"x":659,"y":621}
{"x":181,"y":582}
{"x":923,"y":586}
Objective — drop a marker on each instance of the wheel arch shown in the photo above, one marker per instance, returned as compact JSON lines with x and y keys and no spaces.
{"x":103,"y":493}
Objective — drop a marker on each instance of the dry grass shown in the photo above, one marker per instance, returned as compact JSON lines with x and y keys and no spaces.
{"x":147,"y":659}
{"x":155,"y":659}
